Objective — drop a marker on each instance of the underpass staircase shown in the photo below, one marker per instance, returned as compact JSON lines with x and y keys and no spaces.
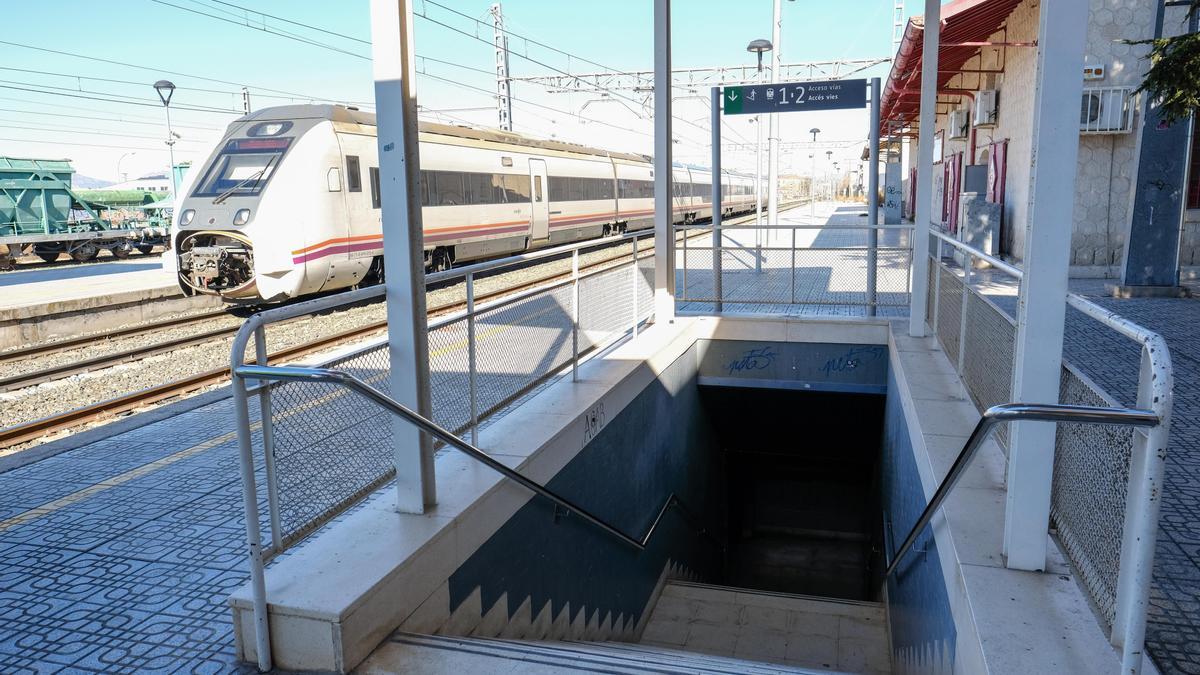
{"x":692,"y":628}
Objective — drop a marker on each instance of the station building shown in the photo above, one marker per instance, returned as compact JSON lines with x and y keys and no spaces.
{"x":983,"y":146}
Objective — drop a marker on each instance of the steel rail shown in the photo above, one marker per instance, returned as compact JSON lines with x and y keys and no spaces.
{"x":1011,"y":412}
{"x":45,"y":426}
{"x":280,"y":373}
{"x":109,"y":360}
{"x":71,"y":343}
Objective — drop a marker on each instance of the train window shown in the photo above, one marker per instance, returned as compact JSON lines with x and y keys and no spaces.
{"x":376,"y":198}
{"x":537,"y":189}
{"x":558,"y":188}
{"x":516,"y":187}
{"x":353,"y":174}
{"x":243,"y":168}
{"x":447,"y":188}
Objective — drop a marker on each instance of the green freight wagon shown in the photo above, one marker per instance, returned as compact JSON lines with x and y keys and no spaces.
{"x":40,"y":213}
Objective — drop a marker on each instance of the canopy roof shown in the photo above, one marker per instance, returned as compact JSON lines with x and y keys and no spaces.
{"x":965,"y":24}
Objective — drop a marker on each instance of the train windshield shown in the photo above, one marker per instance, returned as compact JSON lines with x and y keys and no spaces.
{"x":243,"y":167}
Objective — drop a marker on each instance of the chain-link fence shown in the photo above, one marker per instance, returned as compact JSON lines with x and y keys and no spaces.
{"x":833,"y":270}
{"x":1107,"y":534}
{"x":327,"y":447}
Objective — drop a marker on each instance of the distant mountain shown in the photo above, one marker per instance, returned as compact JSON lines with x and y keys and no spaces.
{"x":88,"y":183}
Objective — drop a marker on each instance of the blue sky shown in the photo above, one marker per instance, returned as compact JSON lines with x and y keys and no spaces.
{"x":175,"y":43}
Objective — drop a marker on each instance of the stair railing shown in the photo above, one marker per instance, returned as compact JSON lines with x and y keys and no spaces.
{"x":1036,"y":412}
{"x":344,"y":379}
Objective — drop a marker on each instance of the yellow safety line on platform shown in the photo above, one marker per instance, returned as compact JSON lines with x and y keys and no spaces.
{"x":109,"y":483}
{"x":148,"y":468}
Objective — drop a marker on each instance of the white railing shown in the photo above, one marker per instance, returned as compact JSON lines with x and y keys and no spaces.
{"x":322,"y":449}
{"x":842,"y":266}
{"x":973,"y":328}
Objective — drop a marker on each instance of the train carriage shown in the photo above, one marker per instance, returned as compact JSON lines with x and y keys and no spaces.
{"x":289,"y":204}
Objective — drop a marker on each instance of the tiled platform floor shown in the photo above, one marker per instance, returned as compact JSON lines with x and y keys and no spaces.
{"x":119,"y":556}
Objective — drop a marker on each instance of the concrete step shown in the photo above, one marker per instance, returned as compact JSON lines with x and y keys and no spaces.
{"x":791,"y":630}
{"x":411,"y":653}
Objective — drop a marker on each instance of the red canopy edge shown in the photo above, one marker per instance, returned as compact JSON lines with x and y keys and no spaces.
{"x":963,"y":21}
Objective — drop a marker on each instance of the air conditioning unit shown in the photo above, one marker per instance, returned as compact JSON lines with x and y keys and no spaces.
{"x":1106,"y":110}
{"x":960,"y":124}
{"x":987,"y":108}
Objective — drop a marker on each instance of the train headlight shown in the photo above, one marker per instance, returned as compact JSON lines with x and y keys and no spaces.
{"x":185,"y":218}
{"x":241,"y":217}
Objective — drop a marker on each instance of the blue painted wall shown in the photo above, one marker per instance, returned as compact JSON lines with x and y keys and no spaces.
{"x":659,"y":444}
{"x":923,"y":632}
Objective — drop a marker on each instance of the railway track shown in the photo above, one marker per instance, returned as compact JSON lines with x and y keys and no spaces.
{"x":52,"y":424}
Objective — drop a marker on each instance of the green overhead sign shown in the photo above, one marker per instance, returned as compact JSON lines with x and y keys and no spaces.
{"x":795,"y":97}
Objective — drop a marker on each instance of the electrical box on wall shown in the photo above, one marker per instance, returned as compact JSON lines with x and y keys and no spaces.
{"x":960,"y":124}
{"x":987,"y":108}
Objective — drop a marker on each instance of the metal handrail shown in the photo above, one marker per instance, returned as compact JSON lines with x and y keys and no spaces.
{"x":1011,"y":412}
{"x":430,"y":427}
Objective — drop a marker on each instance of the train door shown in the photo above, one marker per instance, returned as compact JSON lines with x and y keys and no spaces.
{"x":540,"y":220}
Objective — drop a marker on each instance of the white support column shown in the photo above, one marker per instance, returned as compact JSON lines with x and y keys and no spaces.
{"x":664,"y":229}
{"x":773,"y":136}
{"x":399,"y":182}
{"x":1041,"y":306}
{"x":924,"y":193}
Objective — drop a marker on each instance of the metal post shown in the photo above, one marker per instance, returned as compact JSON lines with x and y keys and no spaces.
{"x":1146,"y":468}
{"x":1041,"y":306}
{"x":268,"y":436}
{"x":962,"y":312}
{"x":664,"y":230}
{"x":873,"y":199}
{"x":773,"y":136}
{"x":928,"y":118}
{"x":937,"y":285}
{"x":503,"y":81}
{"x":716,"y":197}
{"x":575,"y":315}
{"x":262,"y":635}
{"x":683,"y":296}
{"x":758,"y":182}
{"x":635,"y":286}
{"x":394,"y":61}
{"x":471,"y":359}
{"x":793,"y":296}
{"x":171,"y":155}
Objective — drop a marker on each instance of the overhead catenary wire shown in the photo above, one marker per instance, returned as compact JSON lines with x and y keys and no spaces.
{"x":184,"y":151}
{"x":145,"y":103}
{"x":162,"y":71}
{"x":90,"y":132}
{"x":94,"y":118}
{"x":264,"y":29}
{"x":294,"y":23}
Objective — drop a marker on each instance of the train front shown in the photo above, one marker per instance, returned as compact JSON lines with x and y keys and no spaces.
{"x":236,"y":226}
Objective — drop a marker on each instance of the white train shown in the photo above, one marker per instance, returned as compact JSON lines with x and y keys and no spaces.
{"x":289,"y":202}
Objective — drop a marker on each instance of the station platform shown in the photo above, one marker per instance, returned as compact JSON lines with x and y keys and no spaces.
{"x":119,"y":549}
{"x":46,"y":303}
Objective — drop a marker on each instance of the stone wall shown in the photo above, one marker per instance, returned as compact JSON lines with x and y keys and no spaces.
{"x":1107,"y":163}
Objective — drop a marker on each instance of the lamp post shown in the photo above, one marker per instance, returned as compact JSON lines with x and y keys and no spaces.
{"x":835,"y":186}
{"x":758,"y":47}
{"x":828,"y":158}
{"x":123,"y":176}
{"x":166,"y":89}
{"x":812,"y":182}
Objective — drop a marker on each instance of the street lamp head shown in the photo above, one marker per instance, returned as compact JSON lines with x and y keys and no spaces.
{"x":759,"y":46}
{"x":165,"y":89}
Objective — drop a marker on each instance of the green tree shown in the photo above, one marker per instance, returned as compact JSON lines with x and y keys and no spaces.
{"x":1174,"y":77}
